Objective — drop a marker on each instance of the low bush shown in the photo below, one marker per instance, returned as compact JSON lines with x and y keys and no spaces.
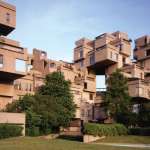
{"x":140,"y":131}
{"x":34,"y":131}
{"x":105,"y":129}
{"x":8,"y":130}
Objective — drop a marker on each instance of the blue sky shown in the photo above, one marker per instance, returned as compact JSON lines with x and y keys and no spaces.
{"x":54,"y":25}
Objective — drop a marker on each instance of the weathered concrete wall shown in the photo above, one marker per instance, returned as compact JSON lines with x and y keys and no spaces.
{"x":91,"y":138}
{"x":13,"y":118}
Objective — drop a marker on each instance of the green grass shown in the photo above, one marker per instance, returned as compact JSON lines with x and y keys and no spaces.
{"x":38,"y":143}
{"x":126,"y":139}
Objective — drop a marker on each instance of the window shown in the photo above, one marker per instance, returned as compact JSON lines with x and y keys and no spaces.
{"x":116,"y":57}
{"x":120,"y":46}
{"x":136,"y":108}
{"x":17,"y":85}
{"x":91,"y":96}
{"x":45,"y":64}
{"x":141,"y":75}
{"x":111,"y":55}
{"x":89,"y":113}
{"x":32,"y":61}
{"x":20,"y":86}
{"x":81,"y":64}
{"x":82,"y":112}
{"x":7,"y":17}
{"x":148,"y":52}
{"x":143,"y":64}
{"x":81,"y":54}
{"x":92,"y":59}
{"x":1,"y":61}
{"x":43,"y":54}
{"x":20,"y":65}
{"x":52,"y":65}
{"x":30,"y":87}
{"x":124,"y":60}
{"x":85,"y":85}
{"x":26,"y":86}
{"x":145,"y":40}
{"x":29,"y":67}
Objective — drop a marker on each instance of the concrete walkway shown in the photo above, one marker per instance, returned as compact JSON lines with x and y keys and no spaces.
{"x":126,"y":145}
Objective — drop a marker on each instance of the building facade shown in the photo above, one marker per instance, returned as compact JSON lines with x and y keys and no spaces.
{"x":23,"y":73}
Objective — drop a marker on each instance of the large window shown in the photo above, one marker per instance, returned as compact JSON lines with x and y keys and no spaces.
{"x":148,"y":52}
{"x":52,"y":65}
{"x":85,"y":85}
{"x":1,"y":61}
{"x":81,"y":63}
{"x":20,"y":65}
{"x":91,"y":96}
{"x":29,"y":67}
{"x":81,"y":53}
{"x":92,"y":59}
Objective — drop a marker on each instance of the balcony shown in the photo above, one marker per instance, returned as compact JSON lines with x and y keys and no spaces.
{"x":140,"y":90}
{"x":103,"y":39}
{"x":133,"y":71}
{"x":125,"y":48}
{"x":102,"y":57}
{"x":10,"y":75}
{"x":7,"y":18}
{"x":13,"y":60}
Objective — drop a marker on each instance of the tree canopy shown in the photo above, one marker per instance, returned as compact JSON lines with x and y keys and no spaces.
{"x":117,"y":96}
{"x":50,"y":108}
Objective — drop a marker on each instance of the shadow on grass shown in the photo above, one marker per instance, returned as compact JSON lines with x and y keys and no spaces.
{"x":71,"y":138}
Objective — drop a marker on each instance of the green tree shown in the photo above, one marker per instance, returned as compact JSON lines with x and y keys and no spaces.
{"x":117,"y":97}
{"x":24,"y":104}
{"x":50,"y":108}
{"x":56,"y":86}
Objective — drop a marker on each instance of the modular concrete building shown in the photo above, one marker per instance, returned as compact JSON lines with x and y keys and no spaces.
{"x":23,"y":73}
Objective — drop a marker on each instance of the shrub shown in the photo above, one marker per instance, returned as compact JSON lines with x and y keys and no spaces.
{"x":34,"y":131}
{"x":9,"y":130}
{"x":140,"y":131}
{"x":105,"y":129}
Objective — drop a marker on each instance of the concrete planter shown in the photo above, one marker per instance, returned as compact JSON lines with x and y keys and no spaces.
{"x":13,"y":118}
{"x":91,"y":138}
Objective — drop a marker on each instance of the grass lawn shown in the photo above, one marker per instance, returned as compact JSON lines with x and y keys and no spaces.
{"x":38,"y":143}
{"x":127,"y":139}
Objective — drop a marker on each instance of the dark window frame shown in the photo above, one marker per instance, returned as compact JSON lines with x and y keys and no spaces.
{"x":92,"y":58}
{"x":1,"y":61}
{"x":85,"y":85}
{"x":91,"y":96}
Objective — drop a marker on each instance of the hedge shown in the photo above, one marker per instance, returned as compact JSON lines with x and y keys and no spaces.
{"x":9,"y":130}
{"x":34,"y":131}
{"x":105,"y":129}
{"x":140,"y":131}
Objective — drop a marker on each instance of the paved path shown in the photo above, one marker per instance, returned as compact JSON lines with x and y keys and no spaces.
{"x":126,"y":145}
